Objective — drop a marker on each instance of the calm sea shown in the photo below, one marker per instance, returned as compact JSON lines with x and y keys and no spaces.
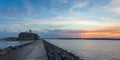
{"x":90,"y":49}
{"x":5,"y":44}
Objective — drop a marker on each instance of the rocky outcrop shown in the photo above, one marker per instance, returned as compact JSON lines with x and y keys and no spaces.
{"x":28,"y":36}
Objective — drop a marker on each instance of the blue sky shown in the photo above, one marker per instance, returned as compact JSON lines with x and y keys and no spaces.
{"x":59,"y":18}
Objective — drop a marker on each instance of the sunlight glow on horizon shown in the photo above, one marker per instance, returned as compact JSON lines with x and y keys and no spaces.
{"x":104,"y":33}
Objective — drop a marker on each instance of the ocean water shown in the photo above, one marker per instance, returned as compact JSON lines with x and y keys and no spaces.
{"x":90,"y":49}
{"x":5,"y":44}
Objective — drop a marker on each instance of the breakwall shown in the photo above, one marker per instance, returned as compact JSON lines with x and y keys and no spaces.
{"x":30,"y":51}
{"x":56,"y":53}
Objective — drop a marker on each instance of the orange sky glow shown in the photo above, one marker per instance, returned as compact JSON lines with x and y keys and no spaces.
{"x":104,"y":33}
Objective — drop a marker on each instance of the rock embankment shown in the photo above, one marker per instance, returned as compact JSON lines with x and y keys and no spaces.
{"x":56,"y":53}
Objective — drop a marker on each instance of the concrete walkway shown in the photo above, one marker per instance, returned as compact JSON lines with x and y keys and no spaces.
{"x":34,"y":51}
{"x":38,"y":52}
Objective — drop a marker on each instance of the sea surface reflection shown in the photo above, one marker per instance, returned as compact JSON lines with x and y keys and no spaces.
{"x":90,"y":49}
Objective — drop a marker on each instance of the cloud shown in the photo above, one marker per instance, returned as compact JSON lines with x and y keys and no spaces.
{"x":105,"y":33}
{"x":116,"y":10}
{"x":115,"y":2}
{"x":110,"y":19}
{"x":79,"y":5}
{"x":16,"y":8}
{"x":64,"y":22}
{"x":114,"y":6}
{"x":93,"y":33}
{"x":64,"y":1}
{"x":74,"y":22}
{"x":18,"y":25}
{"x":28,"y":6}
{"x":59,"y":34}
{"x":92,"y":6}
{"x":111,"y":6}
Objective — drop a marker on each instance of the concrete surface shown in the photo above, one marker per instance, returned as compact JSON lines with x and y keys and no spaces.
{"x":34,"y":51}
{"x":38,"y":53}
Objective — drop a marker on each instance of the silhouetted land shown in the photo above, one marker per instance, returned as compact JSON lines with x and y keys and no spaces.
{"x":15,"y":39}
{"x":87,"y":38}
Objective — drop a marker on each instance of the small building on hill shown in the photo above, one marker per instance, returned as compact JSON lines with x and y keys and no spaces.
{"x":28,"y":36}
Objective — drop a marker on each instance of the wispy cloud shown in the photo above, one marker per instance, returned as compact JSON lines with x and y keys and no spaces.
{"x":64,"y":1}
{"x":79,"y":5}
{"x":116,"y":10}
{"x":111,"y":6}
{"x":28,"y":6}
{"x":72,"y":23}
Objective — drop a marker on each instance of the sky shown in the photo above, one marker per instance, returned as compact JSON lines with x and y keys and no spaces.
{"x":61,"y":18}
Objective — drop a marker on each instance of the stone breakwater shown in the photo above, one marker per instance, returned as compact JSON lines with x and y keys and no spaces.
{"x":56,"y":53}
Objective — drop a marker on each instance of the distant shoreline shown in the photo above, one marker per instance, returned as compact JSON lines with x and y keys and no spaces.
{"x":86,"y":38}
{"x":15,"y":39}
